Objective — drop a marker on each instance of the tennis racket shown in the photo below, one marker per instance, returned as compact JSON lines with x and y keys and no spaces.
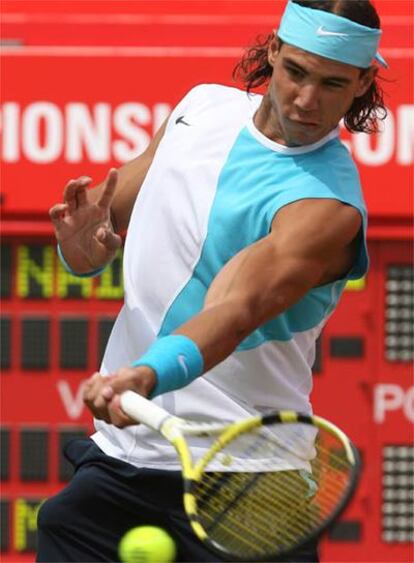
{"x":261,"y":486}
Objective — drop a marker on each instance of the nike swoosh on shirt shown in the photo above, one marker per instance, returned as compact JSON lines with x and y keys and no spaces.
{"x":181,"y":361}
{"x":181,"y":120}
{"x":322,"y":31}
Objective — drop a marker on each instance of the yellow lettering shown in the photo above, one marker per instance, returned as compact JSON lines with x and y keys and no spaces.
{"x":71,"y":286}
{"x":110,"y":282}
{"x":35,"y":279}
{"x":25,"y":523}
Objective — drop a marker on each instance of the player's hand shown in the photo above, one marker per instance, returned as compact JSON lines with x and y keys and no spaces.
{"x":101,"y":393}
{"x":83,"y":227}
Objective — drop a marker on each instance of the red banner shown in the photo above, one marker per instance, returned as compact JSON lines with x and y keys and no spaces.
{"x":72,"y":111}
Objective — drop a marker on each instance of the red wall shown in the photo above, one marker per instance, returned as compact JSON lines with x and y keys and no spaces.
{"x":134,"y":59}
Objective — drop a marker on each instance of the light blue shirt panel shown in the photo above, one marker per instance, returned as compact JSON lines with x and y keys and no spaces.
{"x":254,"y":184}
{"x":329,"y":172}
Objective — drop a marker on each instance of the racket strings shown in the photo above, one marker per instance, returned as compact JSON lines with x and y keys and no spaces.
{"x":252,"y":514}
{"x":261,"y":502}
{"x":238,"y":523}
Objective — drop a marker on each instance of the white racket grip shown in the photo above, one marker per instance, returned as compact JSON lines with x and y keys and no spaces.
{"x":142,"y":410}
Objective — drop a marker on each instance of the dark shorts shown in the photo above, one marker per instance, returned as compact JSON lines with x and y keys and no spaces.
{"x":107,"y":497}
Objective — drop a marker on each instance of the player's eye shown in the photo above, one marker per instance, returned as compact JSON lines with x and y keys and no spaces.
{"x":294,"y":72}
{"x":334,"y":84}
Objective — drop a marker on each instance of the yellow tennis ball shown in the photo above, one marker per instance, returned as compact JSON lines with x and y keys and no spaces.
{"x":147,"y":544}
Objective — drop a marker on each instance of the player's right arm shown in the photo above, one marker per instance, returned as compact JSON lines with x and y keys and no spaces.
{"x":88,"y":221}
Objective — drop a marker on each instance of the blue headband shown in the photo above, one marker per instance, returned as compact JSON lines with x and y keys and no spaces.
{"x":330,"y":36}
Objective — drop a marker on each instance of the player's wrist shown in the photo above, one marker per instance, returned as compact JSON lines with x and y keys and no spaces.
{"x":68,"y":268}
{"x":145,"y":380}
{"x":175,"y":359}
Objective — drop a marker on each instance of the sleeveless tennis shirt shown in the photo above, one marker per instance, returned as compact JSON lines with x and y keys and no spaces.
{"x":214,"y":187}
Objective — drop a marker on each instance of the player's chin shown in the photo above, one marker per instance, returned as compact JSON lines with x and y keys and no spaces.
{"x":302,"y":133}
{"x":308,"y":136}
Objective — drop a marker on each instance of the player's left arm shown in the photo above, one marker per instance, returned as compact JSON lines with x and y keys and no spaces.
{"x":312,"y":242}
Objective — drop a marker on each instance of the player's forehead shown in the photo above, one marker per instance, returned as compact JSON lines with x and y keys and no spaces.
{"x":315,"y":64}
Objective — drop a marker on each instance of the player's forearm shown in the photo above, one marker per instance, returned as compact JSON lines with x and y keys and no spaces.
{"x":256,"y":286}
{"x":217,"y":331}
{"x":205,"y":340}
{"x":223,"y":325}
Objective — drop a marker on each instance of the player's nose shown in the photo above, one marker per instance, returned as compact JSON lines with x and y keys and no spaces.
{"x":307,"y":98}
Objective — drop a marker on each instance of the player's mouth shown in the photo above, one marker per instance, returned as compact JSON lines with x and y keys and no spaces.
{"x":301,"y":123}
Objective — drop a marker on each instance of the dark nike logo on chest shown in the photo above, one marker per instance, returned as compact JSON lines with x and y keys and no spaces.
{"x":181,"y":120}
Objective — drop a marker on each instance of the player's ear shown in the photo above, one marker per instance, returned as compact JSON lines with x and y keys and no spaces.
{"x":365,"y":80}
{"x":273,"y":49}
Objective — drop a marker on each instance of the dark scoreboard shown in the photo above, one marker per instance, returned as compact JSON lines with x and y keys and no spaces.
{"x":54,"y":329}
{"x":32,"y":274}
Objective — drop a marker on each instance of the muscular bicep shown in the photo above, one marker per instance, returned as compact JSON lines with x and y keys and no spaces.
{"x":322,"y":233}
{"x":311,"y":243}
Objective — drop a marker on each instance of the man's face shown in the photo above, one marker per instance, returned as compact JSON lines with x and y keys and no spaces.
{"x":309,"y":94}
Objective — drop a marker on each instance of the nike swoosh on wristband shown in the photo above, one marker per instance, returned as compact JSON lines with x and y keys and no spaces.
{"x":322,"y":31}
{"x":181,"y":361}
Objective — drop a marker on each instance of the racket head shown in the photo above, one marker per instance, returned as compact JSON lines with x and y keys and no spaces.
{"x":270,"y":502}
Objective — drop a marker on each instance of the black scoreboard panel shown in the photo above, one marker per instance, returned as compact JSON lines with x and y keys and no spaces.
{"x":5,"y":342}
{"x":34,"y":445}
{"x":34,"y":345}
{"x":54,"y":327}
{"x":36,"y":342}
{"x":5,"y":271}
{"x":73,"y":335}
{"x":4,"y":453}
{"x":34,"y":452}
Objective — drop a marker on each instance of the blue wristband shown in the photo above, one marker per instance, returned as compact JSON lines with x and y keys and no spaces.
{"x":176,"y":360}
{"x":91,"y":274}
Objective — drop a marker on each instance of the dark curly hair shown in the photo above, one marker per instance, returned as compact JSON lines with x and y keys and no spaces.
{"x":254,"y":69}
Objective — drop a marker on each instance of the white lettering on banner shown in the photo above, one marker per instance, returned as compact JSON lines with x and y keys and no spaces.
{"x":89,"y":131}
{"x":51,"y":147}
{"x":44,"y":132}
{"x":126,"y":118}
{"x":405,"y":154}
{"x":73,"y":403}
{"x":10,"y":132}
{"x":392,"y":397}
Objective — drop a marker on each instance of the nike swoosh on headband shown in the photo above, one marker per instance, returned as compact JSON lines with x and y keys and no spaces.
{"x":322,"y":31}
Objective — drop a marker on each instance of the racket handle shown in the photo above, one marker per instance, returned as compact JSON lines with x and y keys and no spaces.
{"x":142,"y":410}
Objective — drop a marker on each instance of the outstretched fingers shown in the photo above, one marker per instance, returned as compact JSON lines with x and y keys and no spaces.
{"x":57,"y":212}
{"x":74,"y":193}
{"x":105,"y":199}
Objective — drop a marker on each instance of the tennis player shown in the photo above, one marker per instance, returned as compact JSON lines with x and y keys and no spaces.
{"x":245,"y":220}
